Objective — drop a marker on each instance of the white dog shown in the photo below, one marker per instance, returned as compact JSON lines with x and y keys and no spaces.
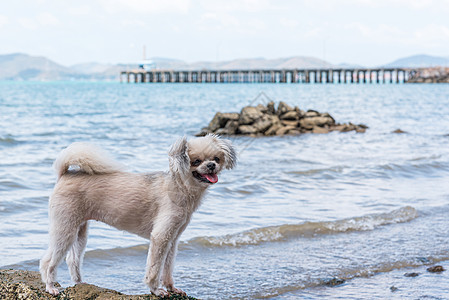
{"x":157,"y":206}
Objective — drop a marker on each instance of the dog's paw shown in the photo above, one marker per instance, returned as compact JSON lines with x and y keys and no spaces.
{"x":52,"y":289}
{"x":176,"y":291}
{"x":160,"y":292}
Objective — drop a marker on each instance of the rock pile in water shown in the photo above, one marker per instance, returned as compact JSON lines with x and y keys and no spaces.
{"x":430,"y":75}
{"x":266,"y":120}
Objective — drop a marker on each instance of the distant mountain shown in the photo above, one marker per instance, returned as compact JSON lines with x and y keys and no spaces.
{"x":24,"y":67}
{"x":91,"y":68}
{"x":350,"y":66}
{"x":419,"y":61}
{"x":19,"y":66}
{"x":300,"y":62}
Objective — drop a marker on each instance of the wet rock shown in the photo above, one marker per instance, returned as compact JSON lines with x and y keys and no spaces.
{"x":220,"y":120}
{"x":284,"y":130}
{"x":393,"y":288}
{"x":223,"y":131}
{"x":306,"y":123}
{"x":231,"y":127}
{"x":348,"y":127}
{"x":19,"y":284}
{"x":290,"y":115}
{"x":283,"y":108}
{"x":263,"y":124}
{"x":334,"y":281}
{"x":290,"y":123}
{"x":430,"y":75}
{"x":204,"y":131}
{"x":412,"y":274}
{"x":246,"y":129}
{"x":311,"y":113}
{"x":436,"y":269}
{"x":270,"y":108}
{"x":321,"y":121}
{"x":263,"y":109}
{"x":294,"y":131}
{"x":317,"y":129}
{"x":273,"y":129}
{"x":398,"y":131}
{"x":214,"y":124}
{"x":249,"y":114}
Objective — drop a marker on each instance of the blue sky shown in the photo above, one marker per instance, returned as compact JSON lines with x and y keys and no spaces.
{"x":366,"y":32}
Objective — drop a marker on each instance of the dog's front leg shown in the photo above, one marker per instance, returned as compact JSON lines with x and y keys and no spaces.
{"x":167,"y":275}
{"x":162,"y":239}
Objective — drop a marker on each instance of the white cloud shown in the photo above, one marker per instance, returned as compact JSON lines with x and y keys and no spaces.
{"x":381,"y":33}
{"x":146,"y":6}
{"x":289,"y":23}
{"x":81,"y":10}
{"x":236,"y":5}
{"x":132,"y":23}
{"x":28,"y":23}
{"x":47,"y":18}
{"x":314,"y":32}
{"x":403,"y":4}
{"x":3,"y":20}
{"x":213,"y":21}
{"x":428,"y":36}
{"x":431,"y":35}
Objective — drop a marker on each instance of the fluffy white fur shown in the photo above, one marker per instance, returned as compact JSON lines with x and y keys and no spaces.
{"x":157,"y":206}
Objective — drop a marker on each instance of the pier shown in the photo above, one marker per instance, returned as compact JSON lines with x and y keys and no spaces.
{"x":386,"y":75}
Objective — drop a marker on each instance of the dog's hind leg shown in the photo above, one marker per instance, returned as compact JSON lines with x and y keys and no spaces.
{"x":75,"y":255}
{"x":60,"y":242}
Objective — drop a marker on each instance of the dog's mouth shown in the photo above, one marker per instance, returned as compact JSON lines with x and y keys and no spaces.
{"x":207,"y":178}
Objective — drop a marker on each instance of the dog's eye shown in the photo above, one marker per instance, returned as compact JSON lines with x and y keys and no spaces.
{"x":196,"y":163}
{"x":217,"y":160}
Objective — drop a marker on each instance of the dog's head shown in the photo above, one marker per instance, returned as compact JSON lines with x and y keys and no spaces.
{"x":202,"y":158}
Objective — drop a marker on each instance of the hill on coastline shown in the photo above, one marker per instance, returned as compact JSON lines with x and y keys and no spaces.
{"x":20,"y":66}
{"x":419,"y":61}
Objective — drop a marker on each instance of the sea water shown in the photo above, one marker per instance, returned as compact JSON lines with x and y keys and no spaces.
{"x":295,"y":213}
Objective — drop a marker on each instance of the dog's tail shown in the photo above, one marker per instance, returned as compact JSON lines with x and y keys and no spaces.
{"x":85,"y":158}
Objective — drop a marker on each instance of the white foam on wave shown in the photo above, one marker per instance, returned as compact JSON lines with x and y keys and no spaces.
{"x":308,"y":229}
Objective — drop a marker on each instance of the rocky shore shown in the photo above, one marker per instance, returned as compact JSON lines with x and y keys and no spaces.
{"x":267,"y":120}
{"x":430,"y":75}
{"x":19,"y":284}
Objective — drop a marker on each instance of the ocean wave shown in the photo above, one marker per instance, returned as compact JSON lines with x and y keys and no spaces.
{"x":415,"y":167}
{"x":350,"y":274}
{"x":119,"y":252}
{"x":9,"y":184}
{"x":308,"y":229}
{"x":8,"y":140}
{"x":311,"y":172}
{"x":279,"y":233}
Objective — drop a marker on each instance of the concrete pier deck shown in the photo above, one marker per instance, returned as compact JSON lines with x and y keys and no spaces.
{"x":385,"y":75}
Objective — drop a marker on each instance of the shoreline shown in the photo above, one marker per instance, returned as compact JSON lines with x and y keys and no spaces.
{"x":402,"y":282}
{"x":22,"y":284}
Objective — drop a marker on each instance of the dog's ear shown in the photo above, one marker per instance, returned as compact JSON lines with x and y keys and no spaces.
{"x":178,"y":158}
{"x":229,"y":154}
{"x":228,"y":150}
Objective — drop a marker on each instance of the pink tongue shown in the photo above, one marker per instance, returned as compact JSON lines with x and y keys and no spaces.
{"x":213,"y":178}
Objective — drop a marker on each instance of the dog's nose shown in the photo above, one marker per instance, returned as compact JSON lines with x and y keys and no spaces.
{"x":211,"y":166}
